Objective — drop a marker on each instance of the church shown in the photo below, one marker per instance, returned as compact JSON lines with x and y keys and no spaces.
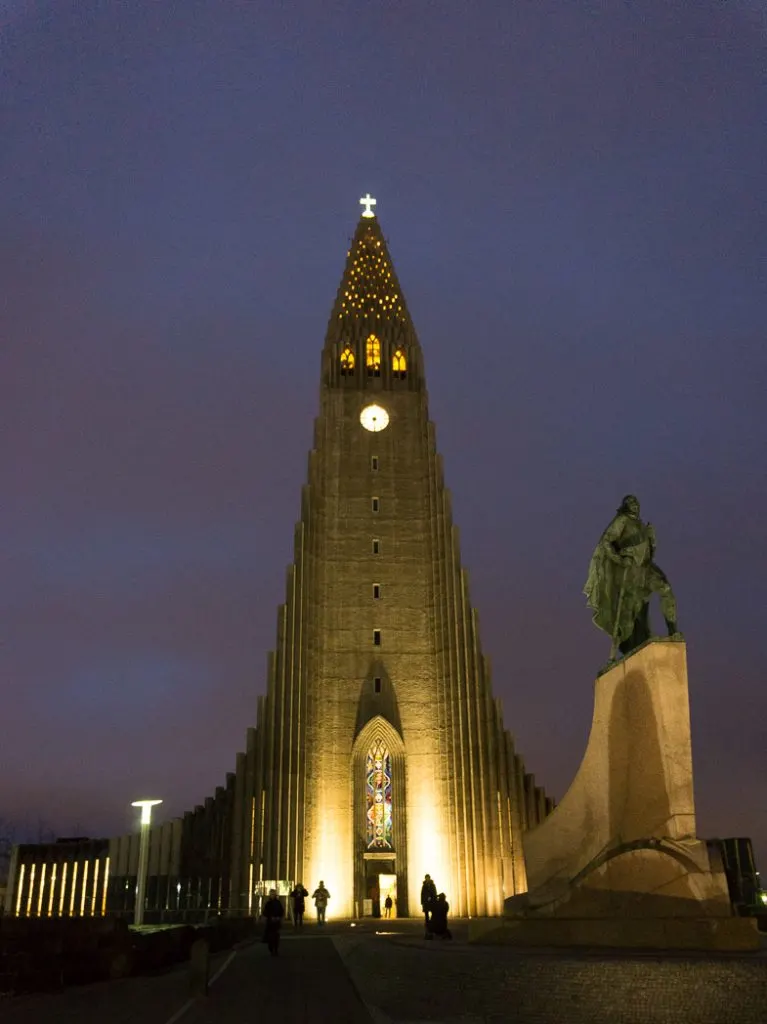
{"x":379,"y":753}
{"x":384,"y":752}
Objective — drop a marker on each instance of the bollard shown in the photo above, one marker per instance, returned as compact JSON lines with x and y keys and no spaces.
{"x":199,"y":967}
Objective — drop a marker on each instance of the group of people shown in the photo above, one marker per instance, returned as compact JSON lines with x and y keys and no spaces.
{"x":273,"y":911}
{"x":434,"y":905}
{"x":435,"y":910}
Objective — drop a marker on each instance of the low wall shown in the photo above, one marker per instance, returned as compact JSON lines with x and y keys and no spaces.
{"x":44,"y":954}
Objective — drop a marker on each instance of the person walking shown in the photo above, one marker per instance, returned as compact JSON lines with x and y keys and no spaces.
{"x":428,"y":897}
{"x":388,"y":904}
{"x":321,"y":897}
{"x":299,"y":895}
{"x":274,"y":912}
{"x":439,"y":912}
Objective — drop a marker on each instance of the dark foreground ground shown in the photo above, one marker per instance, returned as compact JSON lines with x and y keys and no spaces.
{"x":386,"y":973}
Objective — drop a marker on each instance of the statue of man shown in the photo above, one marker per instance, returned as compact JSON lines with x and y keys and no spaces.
{"x":623,"y":577}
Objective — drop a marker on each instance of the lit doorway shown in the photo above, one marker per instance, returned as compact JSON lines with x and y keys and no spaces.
{"x":387,"y":885}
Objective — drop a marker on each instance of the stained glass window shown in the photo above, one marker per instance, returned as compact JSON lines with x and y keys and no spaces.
{"x":378,"y":797}
{"x":373,"y":355}
{"x":399,"y":363}
{"x":347,"y":361}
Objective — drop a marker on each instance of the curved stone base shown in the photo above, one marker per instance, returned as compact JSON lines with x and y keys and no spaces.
{"x":620,"y":850}
{"x":643,"y":878}
{"x":702,"y":934}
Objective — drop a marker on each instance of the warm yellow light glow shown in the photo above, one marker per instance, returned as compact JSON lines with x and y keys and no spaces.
{"x":85,"y":886}
{"x":369,"y":283}
{"x":63,"y":890}
{"x":96,"y":868}
{"x":146,"y":809}
{"x":374,"y":417}
{"x":20,"y":889}
{"x":52,"y":890}
{"x":329,"y":866}
{"x":106,"y":886}
{"x":252,"y":824}
{"x":41,"y":893}
{"x":373,"y":353}
{"x":31,"y":889}
{"x":347,"y":360}
{"x":430,"y":847}
{"x":368,"y":202}
{"x":399,"y":362}
{"x":387,"y":885}
{"x":250,"y":889}
{"x":73,"y":890}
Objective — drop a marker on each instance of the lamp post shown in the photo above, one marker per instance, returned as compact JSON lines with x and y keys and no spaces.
{"x":143,"y":856}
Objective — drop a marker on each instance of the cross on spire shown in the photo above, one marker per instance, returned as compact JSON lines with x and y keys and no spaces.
{"x":368,"y":202}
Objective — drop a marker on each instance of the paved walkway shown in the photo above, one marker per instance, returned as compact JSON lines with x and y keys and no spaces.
{"x":405,"y":980}
{"x":386,"y":973}
{"x":307,"y":982}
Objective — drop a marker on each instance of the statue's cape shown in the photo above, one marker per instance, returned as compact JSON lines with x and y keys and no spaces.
{"x":607,"y":579}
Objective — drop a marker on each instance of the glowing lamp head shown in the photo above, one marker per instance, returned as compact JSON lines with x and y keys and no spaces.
{"x":146,"y":809}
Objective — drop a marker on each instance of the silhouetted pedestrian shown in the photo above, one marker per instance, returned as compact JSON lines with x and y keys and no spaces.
{"x":388,"y":904}
{"x":273,"y":912}
{"x":428,"y":896}
{"x":299,"y":895}
{"x":321,"y":897}
{"x":439,"y":911}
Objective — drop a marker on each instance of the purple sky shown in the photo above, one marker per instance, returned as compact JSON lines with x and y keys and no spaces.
{"x":574,"y":197}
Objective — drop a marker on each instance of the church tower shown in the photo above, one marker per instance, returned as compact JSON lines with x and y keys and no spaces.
{"x":379,"y":753}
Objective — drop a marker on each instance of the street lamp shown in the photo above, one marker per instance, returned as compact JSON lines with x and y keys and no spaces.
{"x":143,"y":856}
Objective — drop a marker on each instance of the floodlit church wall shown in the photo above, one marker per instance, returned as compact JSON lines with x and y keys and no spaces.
{"x":375,"y":512}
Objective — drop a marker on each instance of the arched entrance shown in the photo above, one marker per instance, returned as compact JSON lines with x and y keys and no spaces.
{"x":380,"y":820}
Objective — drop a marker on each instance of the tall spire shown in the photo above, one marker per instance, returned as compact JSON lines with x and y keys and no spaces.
{"x":370,"y":326}
{"x":369,"y":287}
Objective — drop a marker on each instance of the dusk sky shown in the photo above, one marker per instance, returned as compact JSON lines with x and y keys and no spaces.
{"x":574,"y":199}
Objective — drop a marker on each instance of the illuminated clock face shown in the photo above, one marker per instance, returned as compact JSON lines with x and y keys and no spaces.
{"x":373,"y":417}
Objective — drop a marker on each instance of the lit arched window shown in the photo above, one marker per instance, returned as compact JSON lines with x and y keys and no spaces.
{"x":347,"y":362}
{"x":378,"y":798}
{"x":399,"y":364}
{"x":373,"y":356}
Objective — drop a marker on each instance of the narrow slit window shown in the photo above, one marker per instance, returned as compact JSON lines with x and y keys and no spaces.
{"x":374,"y":504}
{"x":374,"y":462}
{"x":376,"y":637}
{"x":376,"y":546}
{"x":376,"y":591}
{"x":377,"y":684}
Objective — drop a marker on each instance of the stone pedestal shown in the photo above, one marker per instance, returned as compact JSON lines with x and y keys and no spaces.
{"x":622,"y":843}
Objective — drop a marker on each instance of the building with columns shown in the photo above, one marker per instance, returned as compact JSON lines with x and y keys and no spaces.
{"x":379,"y":752}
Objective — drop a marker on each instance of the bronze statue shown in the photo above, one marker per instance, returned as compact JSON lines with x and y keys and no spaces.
{"x":623,"y":577}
